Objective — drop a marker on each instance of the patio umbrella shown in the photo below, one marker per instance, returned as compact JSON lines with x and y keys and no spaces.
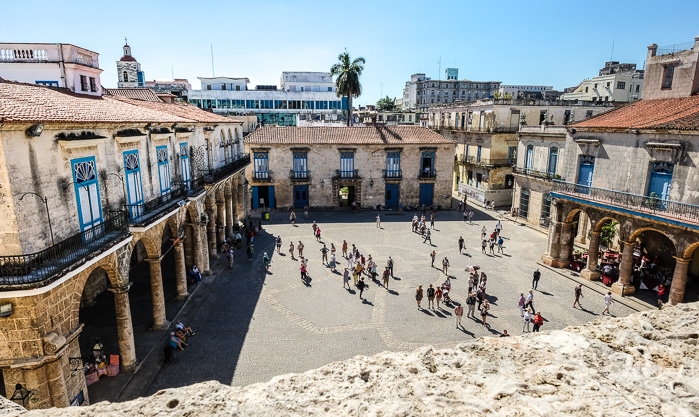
{"x":472,"y":268}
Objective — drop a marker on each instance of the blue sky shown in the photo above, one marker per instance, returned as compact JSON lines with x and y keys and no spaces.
{"x":555,"y":43}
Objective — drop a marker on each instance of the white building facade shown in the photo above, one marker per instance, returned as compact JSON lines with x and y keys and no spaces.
{"x":421,"y":92}
{"x":52,"y":64}
{"x":515,"y":90}
{"x":303,"y":96}
{"x":615,"y":82}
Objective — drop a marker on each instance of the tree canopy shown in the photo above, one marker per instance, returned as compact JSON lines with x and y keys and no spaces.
{"x":386,"y":104}
{"x":347,"y":82}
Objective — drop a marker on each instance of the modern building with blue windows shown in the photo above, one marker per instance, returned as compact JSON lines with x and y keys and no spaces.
{"x":308,"y":97}
{"x":328,"y":167}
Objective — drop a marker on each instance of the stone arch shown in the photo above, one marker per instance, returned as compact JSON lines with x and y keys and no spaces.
{"x":689,"y":251}
{"x":570,"y":217}
{"x":108,"y":265}
{"x":152,"y":250}
{"x":637,"y":233}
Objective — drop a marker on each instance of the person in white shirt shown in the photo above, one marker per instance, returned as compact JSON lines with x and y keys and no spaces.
{"x":527,"y":319}
{"x":607,"y":302}
{"x":498,"y":227}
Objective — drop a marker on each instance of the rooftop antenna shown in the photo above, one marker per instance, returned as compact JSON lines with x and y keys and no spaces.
{"x":381,"y":84}
{"x":439,"y":72}
{"x":612,"y":57}
{"x":212,"y":60}
{"x":172,"y":69}
{"x":125,"y":41}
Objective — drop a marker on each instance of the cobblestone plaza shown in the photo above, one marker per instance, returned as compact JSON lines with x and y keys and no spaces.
{"x":253,"y":326}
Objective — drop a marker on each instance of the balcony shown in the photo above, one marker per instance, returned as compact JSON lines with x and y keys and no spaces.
{"x":227,"y":170}
{"x":262,"y":176}
{"x":644,"y":206}
{"x":143,"y":214}
{"x":474,"y":160}
{"x":429,"y":174}
{"x":299,"y":176}
{"x":41,"y":268}
{"x":535,"y":174}
{"x":394,"y":174}
{"x":347,"y":174}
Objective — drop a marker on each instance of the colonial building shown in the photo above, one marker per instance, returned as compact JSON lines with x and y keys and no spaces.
{"x":101,"y":196}
{"x":486,"y":135}
{"x":634,"y":166}
{"x":52,"y":64}
{"x":369,"y":115}
{"x":616,"y":82}
{"x":129,"y":70}
{"x":301,"y":96}
{"x":335,"y":166}
{"x":672,"y":71}
{"x":422,"y":92}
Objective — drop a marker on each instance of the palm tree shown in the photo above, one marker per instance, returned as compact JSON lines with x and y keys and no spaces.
{"x":347,"y":82}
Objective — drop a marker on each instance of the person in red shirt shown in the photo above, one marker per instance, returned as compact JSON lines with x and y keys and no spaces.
{"x":661,"y":296}
{"x":538,"y":321}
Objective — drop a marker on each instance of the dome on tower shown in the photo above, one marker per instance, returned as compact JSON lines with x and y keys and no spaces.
{"x":127,"y":53}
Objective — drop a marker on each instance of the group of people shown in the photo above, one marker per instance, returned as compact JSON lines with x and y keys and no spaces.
{"x":495,"y":238}
{"x":178,"y":338}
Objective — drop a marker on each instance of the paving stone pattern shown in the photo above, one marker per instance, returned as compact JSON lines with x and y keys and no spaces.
{"x":254,"y":326}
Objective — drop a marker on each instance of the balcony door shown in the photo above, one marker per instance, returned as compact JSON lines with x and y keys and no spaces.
{"x":163,"y":170}
{"x":347,"y":164}
{"x":586,"y":167}
{"x":134,"y":185}
{"x":87,"y":192}
{"x":300,"y":165}
{"x":184,"y":162}
{"x":660,"y":182}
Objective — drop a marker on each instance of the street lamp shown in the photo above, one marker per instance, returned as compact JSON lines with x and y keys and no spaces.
{"x":46,"y":203}
{"x":89,"y":199}
{"x":21,"y":395}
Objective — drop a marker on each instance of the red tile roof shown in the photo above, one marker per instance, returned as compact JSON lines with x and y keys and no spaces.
{"x":28,"y":103}
{"x":370,"y":135}
{"x":667,"y":113}
{"x":136,"y":93}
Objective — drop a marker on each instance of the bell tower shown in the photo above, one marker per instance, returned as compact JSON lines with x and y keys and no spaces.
{"x":129,"y":70}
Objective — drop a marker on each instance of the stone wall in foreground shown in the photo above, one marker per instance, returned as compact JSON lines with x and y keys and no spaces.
{"x":644,"y":364}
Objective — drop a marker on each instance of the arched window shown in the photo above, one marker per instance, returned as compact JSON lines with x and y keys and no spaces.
{"x":529,"y":162}
{"x":126,"y":77}
{"x":553,"y":160}
{"x":222,"y":149}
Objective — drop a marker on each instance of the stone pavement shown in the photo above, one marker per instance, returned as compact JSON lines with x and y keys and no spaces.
{"x":252,"y":325}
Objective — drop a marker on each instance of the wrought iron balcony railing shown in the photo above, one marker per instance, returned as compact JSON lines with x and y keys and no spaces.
{"x":228,"y":169}
{"x":631,"y":202}
{"x":42,"y":268}
{"x":432,"y":173}
{"x":264,"y":176}
{"x":392,"y":173}
{"x":536,"y":174}
{"x":350,"y":173}
{"x":145,"y":213}
{"x":474,"y":160}
{"x":299,"y":175}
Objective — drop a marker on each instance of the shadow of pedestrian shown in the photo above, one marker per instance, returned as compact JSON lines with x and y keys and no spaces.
{"x":396,"y":278}
{"x":509,"y":256}
{"x":351,"y":291}
{"x":426,"y":311}
{"x":365,"y":301}
{"x":439,"y":314}
{"x":466,"y":254}
{"x":545,"y":293}
{"x":445,"y":312}
{"x":463,"y":329}
{"x":392,"y":292}
{"x":492,"y":299}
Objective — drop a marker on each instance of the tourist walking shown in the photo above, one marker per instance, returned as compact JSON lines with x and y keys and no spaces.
{"x":484,"y":232}
{"x":607,"y":302}
{"x":470,"y":283}
{"x":430,"y":297}
{"x":527,"y":320}
{"x":357,"y":272}
{"x":386,"y":274}
{"x":303,"y":269}
{"x":471,"y":303}
{"x":578,"y":294}
{"x":378,"y":221}
{"x":345,"y":279}
{"x":432,"y":220}
{"x":461,"y":244}
{"x":305,"y":212}
{"x":492,"y":246}
{"x":470,"y":217}
{"x":333,"y":262}
{"x":418,"y":296}
{"x":300,"y":249}
{"x":445,"y":265}
{"x":324,"y":250}
{"x":230,"y":259}
{"x":465,"y":216}
{"x":535,"y":279}
{"x":529,"y":303}
{"x":344,"y":248}
{"x":292,"y":217}
{"x":438,"y":296}
{"x":500,"y":242}
{"x":480,"y":296}
{"x":361,"y":285}
{"x":538,"y":321}
{"x":428,"y":236}
{"x":661,"y":295}
{"x":291,"y":251}
{"x":318,"y":234}
{"x":459,"y":312}
{"x":498,"y":227}
{"x":389,"y":264}
{"x":484,"y":243}
{"x":350,"y":261}
{"x":251,"y":251}
{"x":332,"y":249}
{"x":433,"y":255}
{"x":279,"y":244}
{"x":315,"y":227}
{"x":484,"y":312}
{"x":520,"y":304}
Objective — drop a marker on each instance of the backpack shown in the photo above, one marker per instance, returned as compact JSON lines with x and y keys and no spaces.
{"x":430,"y":292}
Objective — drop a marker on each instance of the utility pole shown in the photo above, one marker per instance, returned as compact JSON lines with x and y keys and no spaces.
{"x":612,"y":57}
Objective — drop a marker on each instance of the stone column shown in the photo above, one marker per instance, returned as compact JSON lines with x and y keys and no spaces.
{"x":591,"y":273}
{"x":180,"y":272}
{"x":220,"y":222}
{"x":241,"y":199}
{"x":156,"y":288}
{"x":679,"y":280}
{"x":234,"y":203}
{"x":623,"y":286}
{"x":127,"y":348}
{"x":57,"y":384}
{"x":204,"y":248}
{"x":229,"y":214}
{"x":211,"y":234}
{"x":565,"y":247}
{"x":553,"y":244}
